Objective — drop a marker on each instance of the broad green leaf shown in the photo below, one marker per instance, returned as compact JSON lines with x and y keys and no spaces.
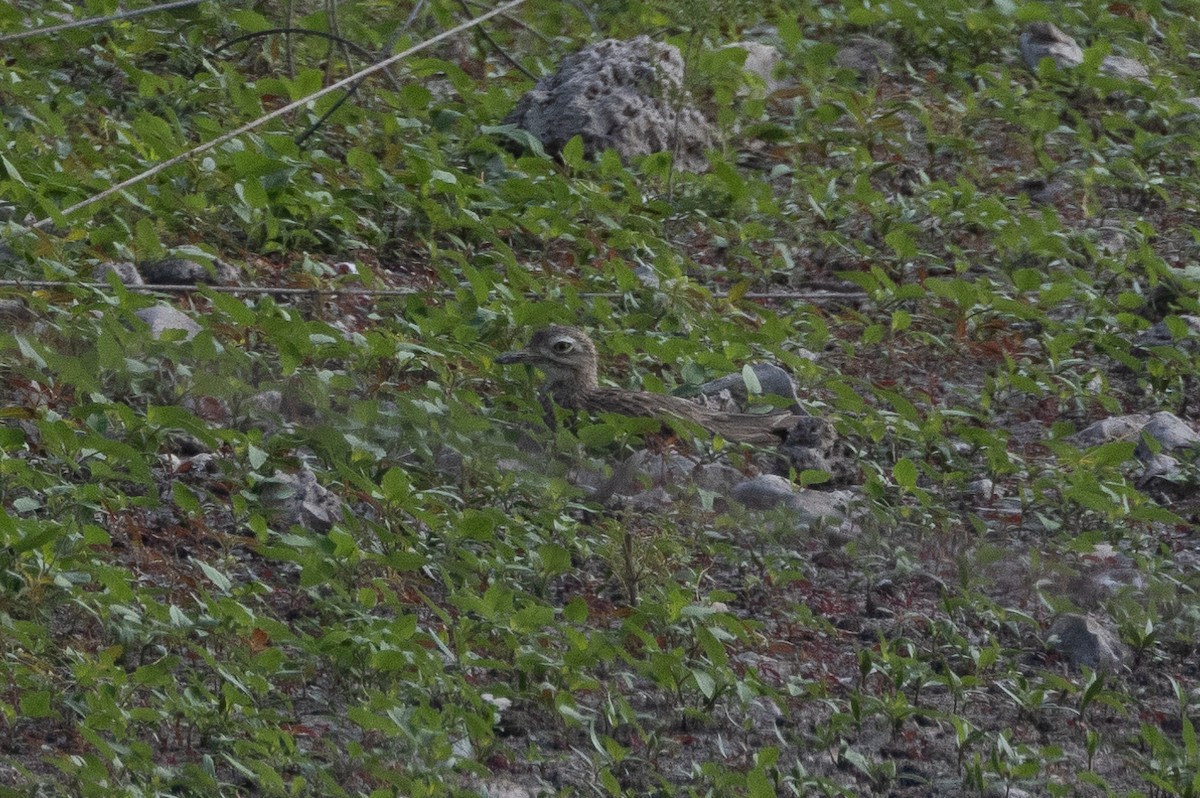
{"x":216,"y":577}
{"x":753,"y":386}
{"x":906,"y":473}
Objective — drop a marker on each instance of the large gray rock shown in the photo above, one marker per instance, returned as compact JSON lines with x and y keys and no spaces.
{"x":1044,"y":40}
{"x":625,"y":95}
{"x":1086,"y":641}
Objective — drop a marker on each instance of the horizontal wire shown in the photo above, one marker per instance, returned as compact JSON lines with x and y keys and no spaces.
{"x":831,"y":296}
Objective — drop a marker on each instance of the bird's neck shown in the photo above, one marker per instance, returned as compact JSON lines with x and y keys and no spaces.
{"x":567,"y":384}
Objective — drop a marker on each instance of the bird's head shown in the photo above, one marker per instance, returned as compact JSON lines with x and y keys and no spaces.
{"x":566,"y":354}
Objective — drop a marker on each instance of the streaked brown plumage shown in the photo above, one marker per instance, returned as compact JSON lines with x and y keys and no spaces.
{"x":568,"y":357}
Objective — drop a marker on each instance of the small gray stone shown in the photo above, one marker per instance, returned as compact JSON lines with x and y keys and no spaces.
{"x":300,"y":499}
{"x":718,"y":478}
{"x":161,"y":318}
{"x":1044,"y":40}
{"x":1118,"y":66}
{"x":1046,"y":192}
{"x":448,"y":463}
{"x":184,"y":271}
{"x":1116,"y":428}
{"x":765,"y":492}
{"x":269,"y":401}
{"x":773,"y":380}
{"x":769,"y":492}
{"x":866,"y":55}
{"x":1160,"y":335}
{"x":1084,"y":640}
{"x":983,"y":489}
{"x":1170,"y":431}
{"x":1005,"y":790}
{"x":648,"y":500}
{"x":650,"y":468}
{"x":1111,"y":240}
{"x":14,"y":310}
{"x":762,"y":61}
{"x":125,"y":271}
{"x":675,"y":472}
{"x":1156,"y":468}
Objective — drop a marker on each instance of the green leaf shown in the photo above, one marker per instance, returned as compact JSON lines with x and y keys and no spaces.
{"x":250,"y":21}
{"x":572,"y":153}
{"x":705,"y":683}
{"x":1109,"y":454}
{"x":555,"y":558}
{"x":11,"y":172}
{"x":216,"y":577}
{"x":185,"y":499}
{"x":906,"y":473}
{"x":1027,"y":279}
{"x":576,"y":610}
{"x":233,"y":307}
{"x":532,"y":618}
{"x":523,"y":137}
{"x":256,"y":456}
{"x":252,"y":193}
{"x":29,"y":352}
{"x":758,"y":784}
{"x":753,"y":386}
{"x":901,"y":243}
{"x":36,"y":704}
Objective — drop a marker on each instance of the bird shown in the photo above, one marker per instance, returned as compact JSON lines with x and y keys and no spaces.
{"x":568,"y":358}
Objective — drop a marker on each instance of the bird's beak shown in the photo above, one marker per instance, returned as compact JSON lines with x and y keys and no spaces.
{"x":519,"y":356}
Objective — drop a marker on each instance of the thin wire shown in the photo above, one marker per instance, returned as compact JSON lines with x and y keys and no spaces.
{"x":83,"y":23}
{"x":385,"y":292}
{"x":246,"y":128}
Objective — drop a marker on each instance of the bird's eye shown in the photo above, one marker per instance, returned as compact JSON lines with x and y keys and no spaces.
{"x":562,"y":346}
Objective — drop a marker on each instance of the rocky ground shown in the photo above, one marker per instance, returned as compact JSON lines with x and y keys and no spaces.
{"x":311,"y":539}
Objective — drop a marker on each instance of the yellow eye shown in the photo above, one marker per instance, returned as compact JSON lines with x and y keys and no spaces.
{"x":562,"y":346}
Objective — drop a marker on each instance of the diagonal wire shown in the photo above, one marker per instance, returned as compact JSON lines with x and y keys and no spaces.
{"x":83,"y":23}
{"x":208,"y":145}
